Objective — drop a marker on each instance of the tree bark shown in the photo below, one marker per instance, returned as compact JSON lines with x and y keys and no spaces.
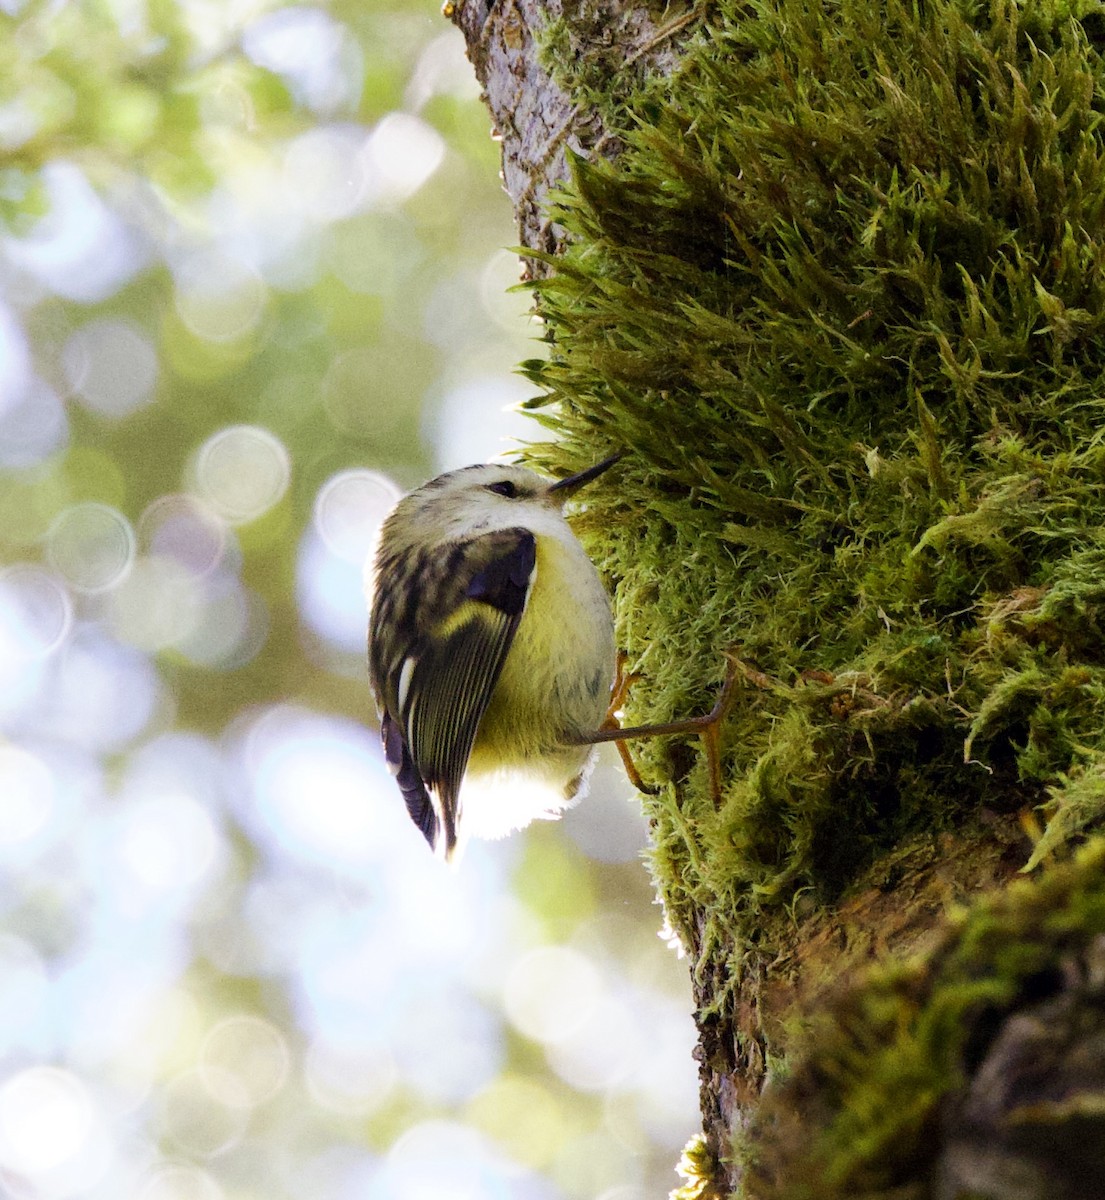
{"x":537,"y":120}
{"x":885,"y":1006}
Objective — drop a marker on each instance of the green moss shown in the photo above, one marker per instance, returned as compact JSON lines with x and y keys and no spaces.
{"x":858,"y":1114}
{"x":842,"y":299}
{"x":698,"y":1171}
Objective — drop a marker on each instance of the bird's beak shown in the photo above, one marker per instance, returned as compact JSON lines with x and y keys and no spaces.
{"x":563,"y":488}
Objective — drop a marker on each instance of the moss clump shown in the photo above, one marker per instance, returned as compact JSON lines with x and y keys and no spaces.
{"x":860,"y":1114}
{"x":843,"y":301}
{"x":698,"y":1171}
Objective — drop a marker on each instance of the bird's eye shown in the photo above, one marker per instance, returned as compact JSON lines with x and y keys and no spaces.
{"x":503,"y":487}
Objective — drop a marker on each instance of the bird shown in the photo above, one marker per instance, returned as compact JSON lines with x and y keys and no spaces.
{"x":491,"y":649}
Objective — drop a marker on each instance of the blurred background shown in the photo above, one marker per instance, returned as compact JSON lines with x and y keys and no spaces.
{"x":253,"y":283}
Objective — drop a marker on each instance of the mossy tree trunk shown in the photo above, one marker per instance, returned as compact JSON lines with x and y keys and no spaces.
{"x":833,"y":274}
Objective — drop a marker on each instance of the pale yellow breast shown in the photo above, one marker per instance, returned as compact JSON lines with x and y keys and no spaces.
{"x":557,"y":676}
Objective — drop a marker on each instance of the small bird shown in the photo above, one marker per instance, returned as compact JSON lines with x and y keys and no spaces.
{"x":491,"y":647}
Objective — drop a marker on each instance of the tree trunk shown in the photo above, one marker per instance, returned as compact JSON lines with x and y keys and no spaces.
{"x":536,"y":111}
{"x":833,"y":274}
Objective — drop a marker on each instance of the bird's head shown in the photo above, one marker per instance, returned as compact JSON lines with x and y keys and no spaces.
{"x":486,"y":497}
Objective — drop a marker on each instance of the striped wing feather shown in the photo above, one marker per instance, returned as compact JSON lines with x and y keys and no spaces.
{"x":439,"y":681}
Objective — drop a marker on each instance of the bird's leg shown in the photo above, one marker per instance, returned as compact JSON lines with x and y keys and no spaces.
{"x":705,"y":726}
{"x":623,"y":681}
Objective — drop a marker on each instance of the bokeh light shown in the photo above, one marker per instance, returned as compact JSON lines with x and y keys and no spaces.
{"x":100,"y":694}
{"x":35,"y":612}
{"x":184,"y":528}
{"x":444,"y":1160}
{"x":351,"y":1080}
{"x":336,"y":555}
{"x":92,"y":546}
{"x":15,"y":357}
{"x":47,"y":1120}
{"x":526,"y":1118}
{"x":323,"y":172}
{"x":551,"y":992}
{"x":245,"y":1060}
{"x":111,"y":367}
{"x":33,"y":426}
{"x":198,"y":1122}
{"x":167,"y":842}
{"x":32,"y":418}
{"x":460,"y":426}
{"x":175,"y":1181}
{"x":242,"y":472}
{"x":332,"y":598}
{"x":232,"y":629}
{"x":312,"y":779}
{"x":80,"y":248}
{"x":349,"y":510}
{"x":401,"y":154}
{"x":27,"y":787}
{"x":219,"y":297}
{"x":159,"y":605}
{"x":313,"y":52}
{"x":255,"y":290}
{"x":24,"y":989}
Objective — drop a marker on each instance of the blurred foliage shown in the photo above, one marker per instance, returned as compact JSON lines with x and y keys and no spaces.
{"x":248,"y":250}
{"x":165,"y":103}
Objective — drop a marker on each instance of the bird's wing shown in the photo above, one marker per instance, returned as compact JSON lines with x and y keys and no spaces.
{"x":435,"y":680}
